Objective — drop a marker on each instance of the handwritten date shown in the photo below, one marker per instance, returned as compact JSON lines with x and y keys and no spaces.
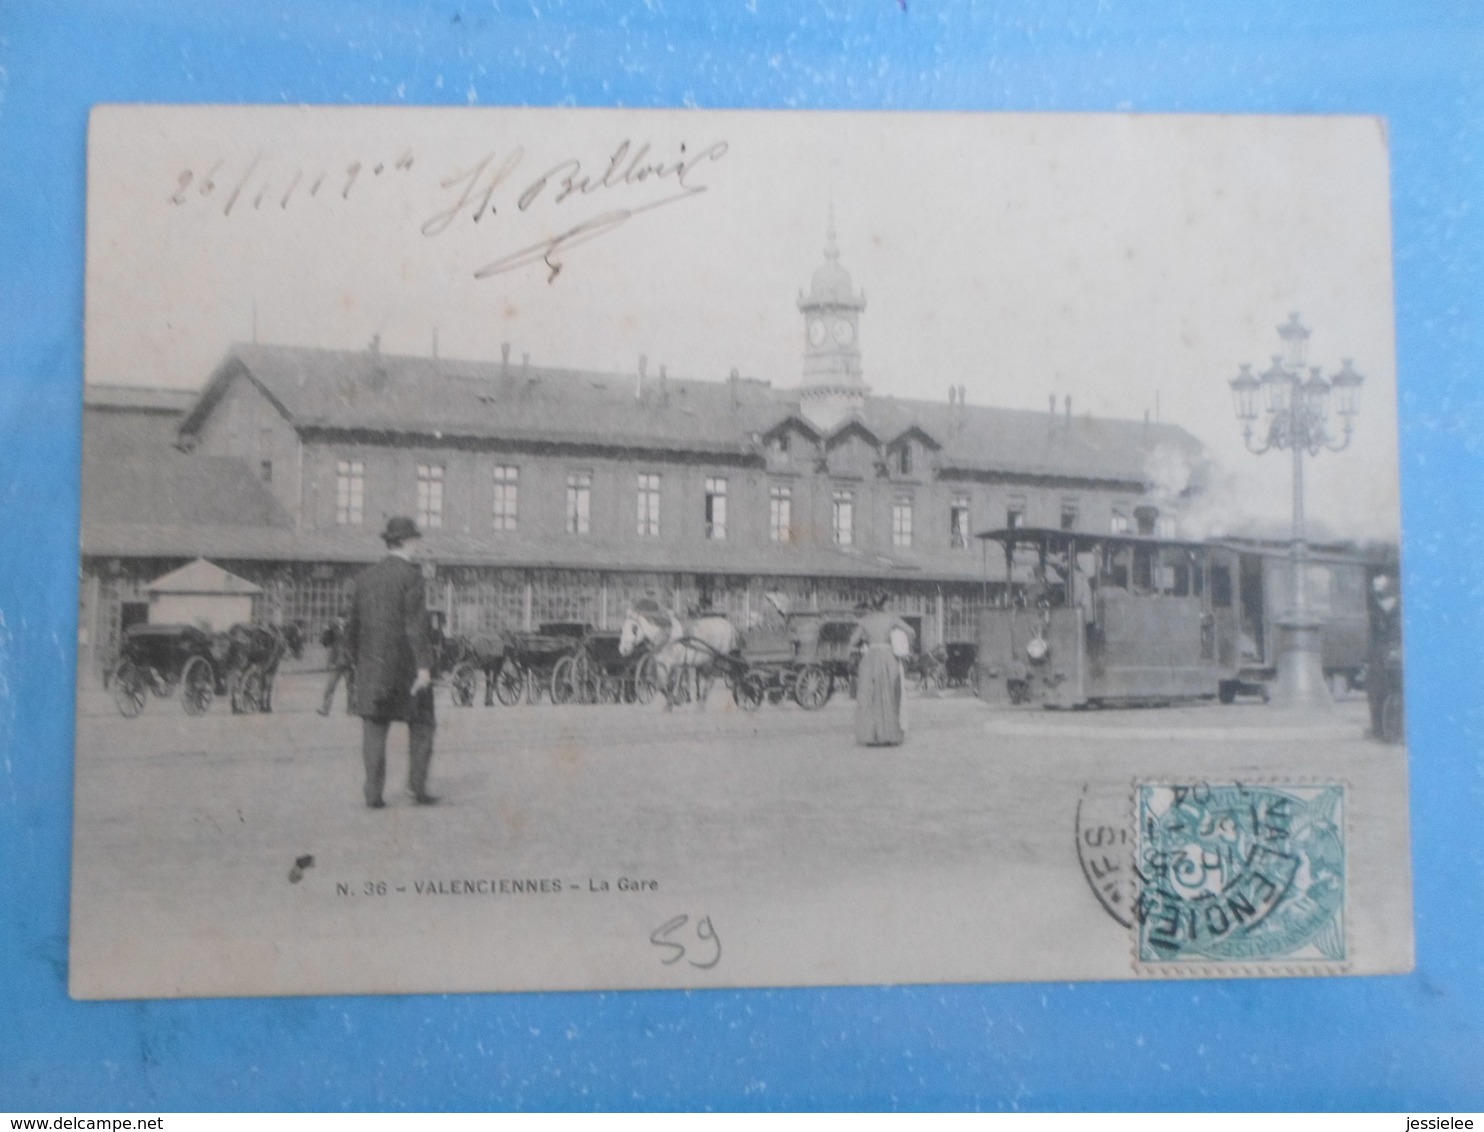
{"x":258,"y":181}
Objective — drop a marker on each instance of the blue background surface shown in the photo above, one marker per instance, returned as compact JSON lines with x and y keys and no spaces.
{"x":1410,"y":1042}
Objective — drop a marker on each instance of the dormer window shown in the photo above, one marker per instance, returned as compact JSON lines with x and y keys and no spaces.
{"x":904,"y":460}
{"x":780,"y":444}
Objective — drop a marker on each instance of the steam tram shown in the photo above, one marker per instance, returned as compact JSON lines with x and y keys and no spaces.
{"x":1090,"y":619}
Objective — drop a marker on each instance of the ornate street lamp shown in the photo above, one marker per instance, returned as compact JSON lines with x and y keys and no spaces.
{"x":1297,"y":411}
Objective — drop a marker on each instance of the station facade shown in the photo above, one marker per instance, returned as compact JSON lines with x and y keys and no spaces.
{"x":552,"y":494}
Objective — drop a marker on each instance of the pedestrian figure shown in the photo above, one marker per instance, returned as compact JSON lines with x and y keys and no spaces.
{"x":340,"y":665}
{"x":391,"y":648}
{"x":878,"y":699}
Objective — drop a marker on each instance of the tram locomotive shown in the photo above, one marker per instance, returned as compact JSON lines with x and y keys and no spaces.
{"x":1123,"y":619}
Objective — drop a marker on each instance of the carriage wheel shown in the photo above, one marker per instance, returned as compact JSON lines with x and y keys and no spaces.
{"x":749,"y":690}
{"x":129,"y":689}
{"x":812,"y":688}
{"x":461,"y":688}
{"x":646,"y":682}
{"x":564,"y":681}
{"x":247,"y":696}
{"x":197,"y":686}
{"x":1393,"y":727}
{"x":510,"y":684}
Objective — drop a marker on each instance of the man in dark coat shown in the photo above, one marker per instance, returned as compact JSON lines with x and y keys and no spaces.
{"x":389,"y":644}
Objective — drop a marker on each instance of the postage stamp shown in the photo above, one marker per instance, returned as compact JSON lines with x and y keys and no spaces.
{"x":1241,"y":873}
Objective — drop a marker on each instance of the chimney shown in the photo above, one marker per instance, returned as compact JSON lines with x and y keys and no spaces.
{"x":377,"y":379}
{"x":953,"y":394}
{"x":963,"y":394}
{"x":664,"y":387}
{"x":734,"y":380}
{"x":1069,"y":410}
{"x":639,"y":381}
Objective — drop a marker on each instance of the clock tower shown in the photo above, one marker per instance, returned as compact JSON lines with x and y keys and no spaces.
{"x":832,"y":388}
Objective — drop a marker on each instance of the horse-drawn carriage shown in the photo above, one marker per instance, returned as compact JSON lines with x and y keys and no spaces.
{"x":531,"y":661}
{"x":598,"y":672}
{"x":159,"y":659}
{"x":805,"y":660}
{"x":240,"y":664}
{"x":464,"y":659}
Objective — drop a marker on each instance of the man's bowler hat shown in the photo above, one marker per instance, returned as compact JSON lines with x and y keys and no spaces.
{"x":399,"y":528}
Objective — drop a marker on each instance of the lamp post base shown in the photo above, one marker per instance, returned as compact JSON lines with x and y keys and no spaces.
{"x":1300,"y":685}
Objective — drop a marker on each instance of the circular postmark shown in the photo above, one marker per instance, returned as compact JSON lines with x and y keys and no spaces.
{"x":1105,"y":849}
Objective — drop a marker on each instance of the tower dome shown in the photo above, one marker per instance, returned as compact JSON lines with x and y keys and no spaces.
{"x":832,"y":387}
{"x":831,"y":283}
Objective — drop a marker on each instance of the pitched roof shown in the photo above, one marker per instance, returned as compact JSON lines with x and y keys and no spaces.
{"x":138,"y":398}
{"x":202,"y":577}
{"x":442,"y":397}
{"x":124,"y":481}
{"x":333,"y":389}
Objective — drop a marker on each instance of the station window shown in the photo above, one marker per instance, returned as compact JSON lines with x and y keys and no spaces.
{"x":350,"y":492}
{"x":901,"y":521}
{"x":716,"y":508}
{"x":842,"y":518}
{"x":780,"y":512}
{"x":430,"y":496}
{"x":958,"y":522}
{"x":579,"y":502}
{"x":649,"y":505}
{"x":1119,"y":523}
{"x":507,"y":497}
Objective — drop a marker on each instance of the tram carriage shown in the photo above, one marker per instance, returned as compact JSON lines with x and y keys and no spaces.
{"x":1099,"y":619}
{"x":1250,"y":584}
{"x":1089,"y":619}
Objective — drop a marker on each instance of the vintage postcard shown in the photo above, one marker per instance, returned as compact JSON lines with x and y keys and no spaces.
{"x":567,"y":549}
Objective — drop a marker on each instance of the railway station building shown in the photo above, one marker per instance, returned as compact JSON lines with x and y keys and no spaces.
{"x":548,"y":493}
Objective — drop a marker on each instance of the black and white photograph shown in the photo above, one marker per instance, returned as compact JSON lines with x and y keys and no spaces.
{"x":567,"y":549}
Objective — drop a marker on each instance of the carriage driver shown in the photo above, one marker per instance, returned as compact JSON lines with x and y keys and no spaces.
{"x":388,"y":642}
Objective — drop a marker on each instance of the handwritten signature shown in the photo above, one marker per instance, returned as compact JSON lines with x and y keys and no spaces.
{"x":478,"y":191}
{"x":478,"y":186}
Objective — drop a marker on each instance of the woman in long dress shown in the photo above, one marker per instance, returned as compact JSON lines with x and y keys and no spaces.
{"x":878,"y":697}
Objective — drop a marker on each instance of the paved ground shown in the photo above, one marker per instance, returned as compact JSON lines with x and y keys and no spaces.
{"x":950,"y":858}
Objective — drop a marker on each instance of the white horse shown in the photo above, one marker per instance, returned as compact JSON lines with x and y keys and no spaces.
{"x":679,"y":646}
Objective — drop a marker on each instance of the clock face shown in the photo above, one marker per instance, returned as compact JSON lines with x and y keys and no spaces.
{"x":844,"y":332}
{"x":816,"y":332}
